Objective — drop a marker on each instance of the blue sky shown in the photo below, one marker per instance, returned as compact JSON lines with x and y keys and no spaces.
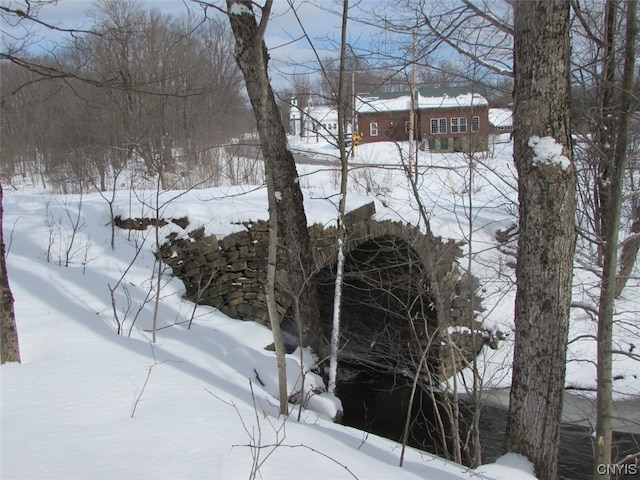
{"x":289,"y":53}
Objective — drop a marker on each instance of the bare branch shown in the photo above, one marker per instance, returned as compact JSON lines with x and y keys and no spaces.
{"x":503,"y":27}
{"x":264,"y":20}
{"x":30,"y":15}
{"x":462,"y":51}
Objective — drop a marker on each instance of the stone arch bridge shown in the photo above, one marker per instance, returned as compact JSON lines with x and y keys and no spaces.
{"x":402,"y":289}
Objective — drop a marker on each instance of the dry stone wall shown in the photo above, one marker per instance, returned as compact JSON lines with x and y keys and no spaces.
{"x":229,"y":273}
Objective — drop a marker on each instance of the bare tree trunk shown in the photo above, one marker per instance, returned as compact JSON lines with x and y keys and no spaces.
{"x":611,"y":192}
{"x":476,"y":387}
{"x":629,"y":251}
{"x":344,"y":175}
{"x":272,"y":306}
{"x":547,"y":195}
{"x":252,"y":57}
{"x":8,"y":332}
{"x":159,"y":262}
{"x":631,"y":245}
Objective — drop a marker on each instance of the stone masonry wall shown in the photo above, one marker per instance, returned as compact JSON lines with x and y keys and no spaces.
{"x":229,"y":273}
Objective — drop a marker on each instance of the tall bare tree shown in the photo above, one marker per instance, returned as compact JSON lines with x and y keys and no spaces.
{"x":126,"y":104}
{"x":615,"y":111}
{"x":341,"y":236}
{"x":10,"y":350}
{"x":282,"y":177}
{"x":547,"y":195}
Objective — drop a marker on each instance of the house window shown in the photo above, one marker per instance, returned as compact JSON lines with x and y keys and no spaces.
{"x":438,"y":125}
{"x":373,"y":129}
{"x":432,"y":144}
{"x":443,"y":125}
{"x":475,"y":124}
{"x":458,"y":124}
{"x":444,"y":144}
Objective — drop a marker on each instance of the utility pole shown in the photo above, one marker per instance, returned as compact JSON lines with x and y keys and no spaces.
{"x":353,"y":102}
{"x":352,"y":106}
{"x":413,"y":167}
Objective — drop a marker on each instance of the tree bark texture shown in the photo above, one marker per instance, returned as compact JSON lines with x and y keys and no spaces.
{"x":10,"y":351}
{"x":547,"y":198}
{"x":613,"y":170}
{"x":629,"y":250}
{"x":272,"y":307}
{"x":334,"y":344}
{"x":282,"y":176}
{"x":629,"y":103}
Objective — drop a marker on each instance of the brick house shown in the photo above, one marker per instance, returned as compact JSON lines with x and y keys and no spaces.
{"x":446,"y":120}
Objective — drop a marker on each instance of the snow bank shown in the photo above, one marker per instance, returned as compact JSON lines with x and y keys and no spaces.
{"x":510,"y":466}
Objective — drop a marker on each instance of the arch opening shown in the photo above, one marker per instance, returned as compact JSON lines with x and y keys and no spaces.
{"x":388,"y":322}
{"x":388,"y":318}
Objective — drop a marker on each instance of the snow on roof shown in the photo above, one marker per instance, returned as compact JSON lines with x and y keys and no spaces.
{"x":501,"y":117}
{"x":372,"y":103}
{"x":464,"y":100}
{"x":376,"y":104}
{"x":322,"y":113}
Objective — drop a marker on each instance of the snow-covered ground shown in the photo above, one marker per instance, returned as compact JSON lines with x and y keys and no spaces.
{"x":200,"y":403}
{"x":448,"y":190}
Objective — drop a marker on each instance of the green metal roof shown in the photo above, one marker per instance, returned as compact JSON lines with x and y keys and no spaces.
{"x":428,"y":92}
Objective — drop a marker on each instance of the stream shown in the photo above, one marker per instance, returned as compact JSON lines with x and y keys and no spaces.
{"x":377,"y":403}
{"x":576,"y":442}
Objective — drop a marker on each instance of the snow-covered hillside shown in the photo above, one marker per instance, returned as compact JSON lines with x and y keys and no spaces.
{"x":89,"y":403}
